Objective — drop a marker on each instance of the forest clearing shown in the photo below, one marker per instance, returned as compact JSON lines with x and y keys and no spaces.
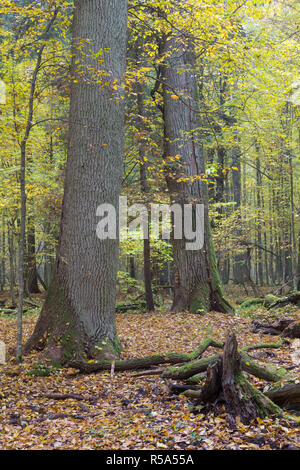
{"x":149,"y":225}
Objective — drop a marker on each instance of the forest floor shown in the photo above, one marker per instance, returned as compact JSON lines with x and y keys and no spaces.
{"x":129,"y":412}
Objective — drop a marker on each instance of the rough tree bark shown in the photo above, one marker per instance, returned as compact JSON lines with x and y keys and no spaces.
{"x":241,"y":263}
{"x":78,"y":317}
{"x":31,"y":269}
{"x":197,"y":281}
{"x":11,"y":252}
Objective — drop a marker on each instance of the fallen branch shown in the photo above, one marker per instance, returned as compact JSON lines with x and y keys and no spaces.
{"x":254,"y":347}
{"x":67,"y":396}
{"x":293,"y":298}
{"x":32,"y":303}
{"x":145,"y":362}
{"x":149,"y":372}
{"x":285,"y":395}
{"x":286,"y":327}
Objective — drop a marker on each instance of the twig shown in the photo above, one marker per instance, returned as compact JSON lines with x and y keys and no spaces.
{"x":149,"y":372}
{"x":66,"y":396}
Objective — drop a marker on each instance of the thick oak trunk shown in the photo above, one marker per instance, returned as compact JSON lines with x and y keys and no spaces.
{"x":78,"y":317}
{"x":197,"y":281}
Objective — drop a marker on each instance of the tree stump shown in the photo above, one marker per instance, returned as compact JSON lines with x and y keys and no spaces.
{"x":226,"y":383}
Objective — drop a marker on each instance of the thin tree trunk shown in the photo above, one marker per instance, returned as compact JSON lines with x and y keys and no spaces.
{"x":258,"y":225}
{"x":293,"y":235}
{"x":298,"y":265}
{"x":132,"y":267}
{"x":271,"y":257}
{"x":144,"y":188}
{"x":3,"y":273}
{"x":21,"y":250}
{"x":11,"y":252}
{"x":241,"y":263}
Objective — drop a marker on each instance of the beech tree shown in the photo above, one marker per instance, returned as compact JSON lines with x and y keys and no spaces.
{"x":77,"y":318}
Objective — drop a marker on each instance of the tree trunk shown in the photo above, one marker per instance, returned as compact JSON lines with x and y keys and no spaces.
{"x":2,"y":269}
{"x":21,"y":249}
{"x":259,"y":225}
{"x":298,"y":265}
{"x":241,"y":262}
{"x":31,"y":270}
{"x":78,"y":317}
{"x":11,"y":251}
{"x":197,"y":281}
{"x":144,"y":189}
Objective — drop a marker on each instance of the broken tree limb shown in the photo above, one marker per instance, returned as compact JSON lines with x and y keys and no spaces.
{"x":274,"y":328}
{"x":157,"y":371}
{"x":33,"y":304}
{"x":193,"y":368}
{"x":67,"y":396}
{"x":271,"y":374}
{"x":190,"y":369}
{"x":177,"y":389}
{"x":292,"y":330}
{"x":195,"y":379}
{"x":253,"y":347}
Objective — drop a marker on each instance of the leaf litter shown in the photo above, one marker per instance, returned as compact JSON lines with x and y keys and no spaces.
{"x":120,"y":411}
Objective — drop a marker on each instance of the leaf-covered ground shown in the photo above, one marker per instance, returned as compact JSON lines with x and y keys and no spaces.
{"x":129,"y":412}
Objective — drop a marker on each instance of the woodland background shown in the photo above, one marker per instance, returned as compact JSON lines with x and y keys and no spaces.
{"x":244,"y":58}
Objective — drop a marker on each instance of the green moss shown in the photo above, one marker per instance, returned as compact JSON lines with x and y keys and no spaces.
{"x":250,"y":302}
{"x":195,"y":379}
{"x":105,"y":348}
{"x":269,"y":300}
{"x":117,"y":345}
{"x":39,"y":370}
{"x":190,"y":369}
{"x":216,"y":284}
{"x":198,"y":305}
{"x":62,"y":335}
